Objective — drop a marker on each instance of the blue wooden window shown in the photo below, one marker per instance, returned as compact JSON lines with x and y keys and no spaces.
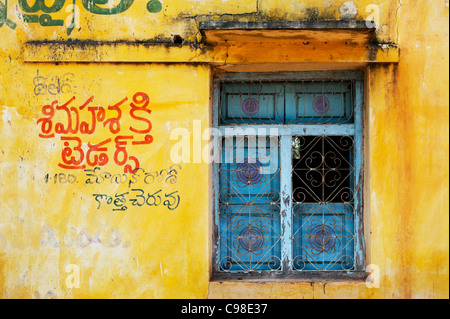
{"x":302,"y":102}
{"x":249,"y":205}
{"x":288,"y":186}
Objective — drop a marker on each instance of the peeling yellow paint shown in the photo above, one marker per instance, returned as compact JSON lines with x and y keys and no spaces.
{"x":153,"y":252}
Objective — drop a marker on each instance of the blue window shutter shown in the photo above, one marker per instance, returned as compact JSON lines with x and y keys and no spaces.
{"x":320,"y":233}
{"x":249,"y":206}
{"x":252,"y":103}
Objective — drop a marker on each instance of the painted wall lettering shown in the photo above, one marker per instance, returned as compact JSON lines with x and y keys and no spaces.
{"x":73,"y":279}
{"x":44,"y":19}
{"x":40,"y":11}
{"x":4,"y":16}
{"x":73,"y":155}
{"x":138,"y":197}
{"x":166,"y":176}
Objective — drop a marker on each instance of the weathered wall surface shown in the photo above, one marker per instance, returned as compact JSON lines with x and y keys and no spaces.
{"x":49,"y":222}
{"x":149,"y":236}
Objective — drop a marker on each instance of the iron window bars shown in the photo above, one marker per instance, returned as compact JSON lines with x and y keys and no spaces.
{"x":288,"y":202}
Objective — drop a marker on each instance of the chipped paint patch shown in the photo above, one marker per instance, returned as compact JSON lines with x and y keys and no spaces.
{"x":348,"y":10}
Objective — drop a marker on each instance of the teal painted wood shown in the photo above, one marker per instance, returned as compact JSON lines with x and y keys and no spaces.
{"x":289,"y":130}
{"x":216,"y":103}
{"x":353,"y":129}
{"x":324,"y":252}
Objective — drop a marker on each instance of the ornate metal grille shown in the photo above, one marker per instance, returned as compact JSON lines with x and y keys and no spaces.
{"x":289,"y":205}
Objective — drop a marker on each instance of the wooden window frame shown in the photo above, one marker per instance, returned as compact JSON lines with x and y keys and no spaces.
{"x":285,"y":133}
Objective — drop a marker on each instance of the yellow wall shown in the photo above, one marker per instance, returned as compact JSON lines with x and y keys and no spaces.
{"x":155,"y":252}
